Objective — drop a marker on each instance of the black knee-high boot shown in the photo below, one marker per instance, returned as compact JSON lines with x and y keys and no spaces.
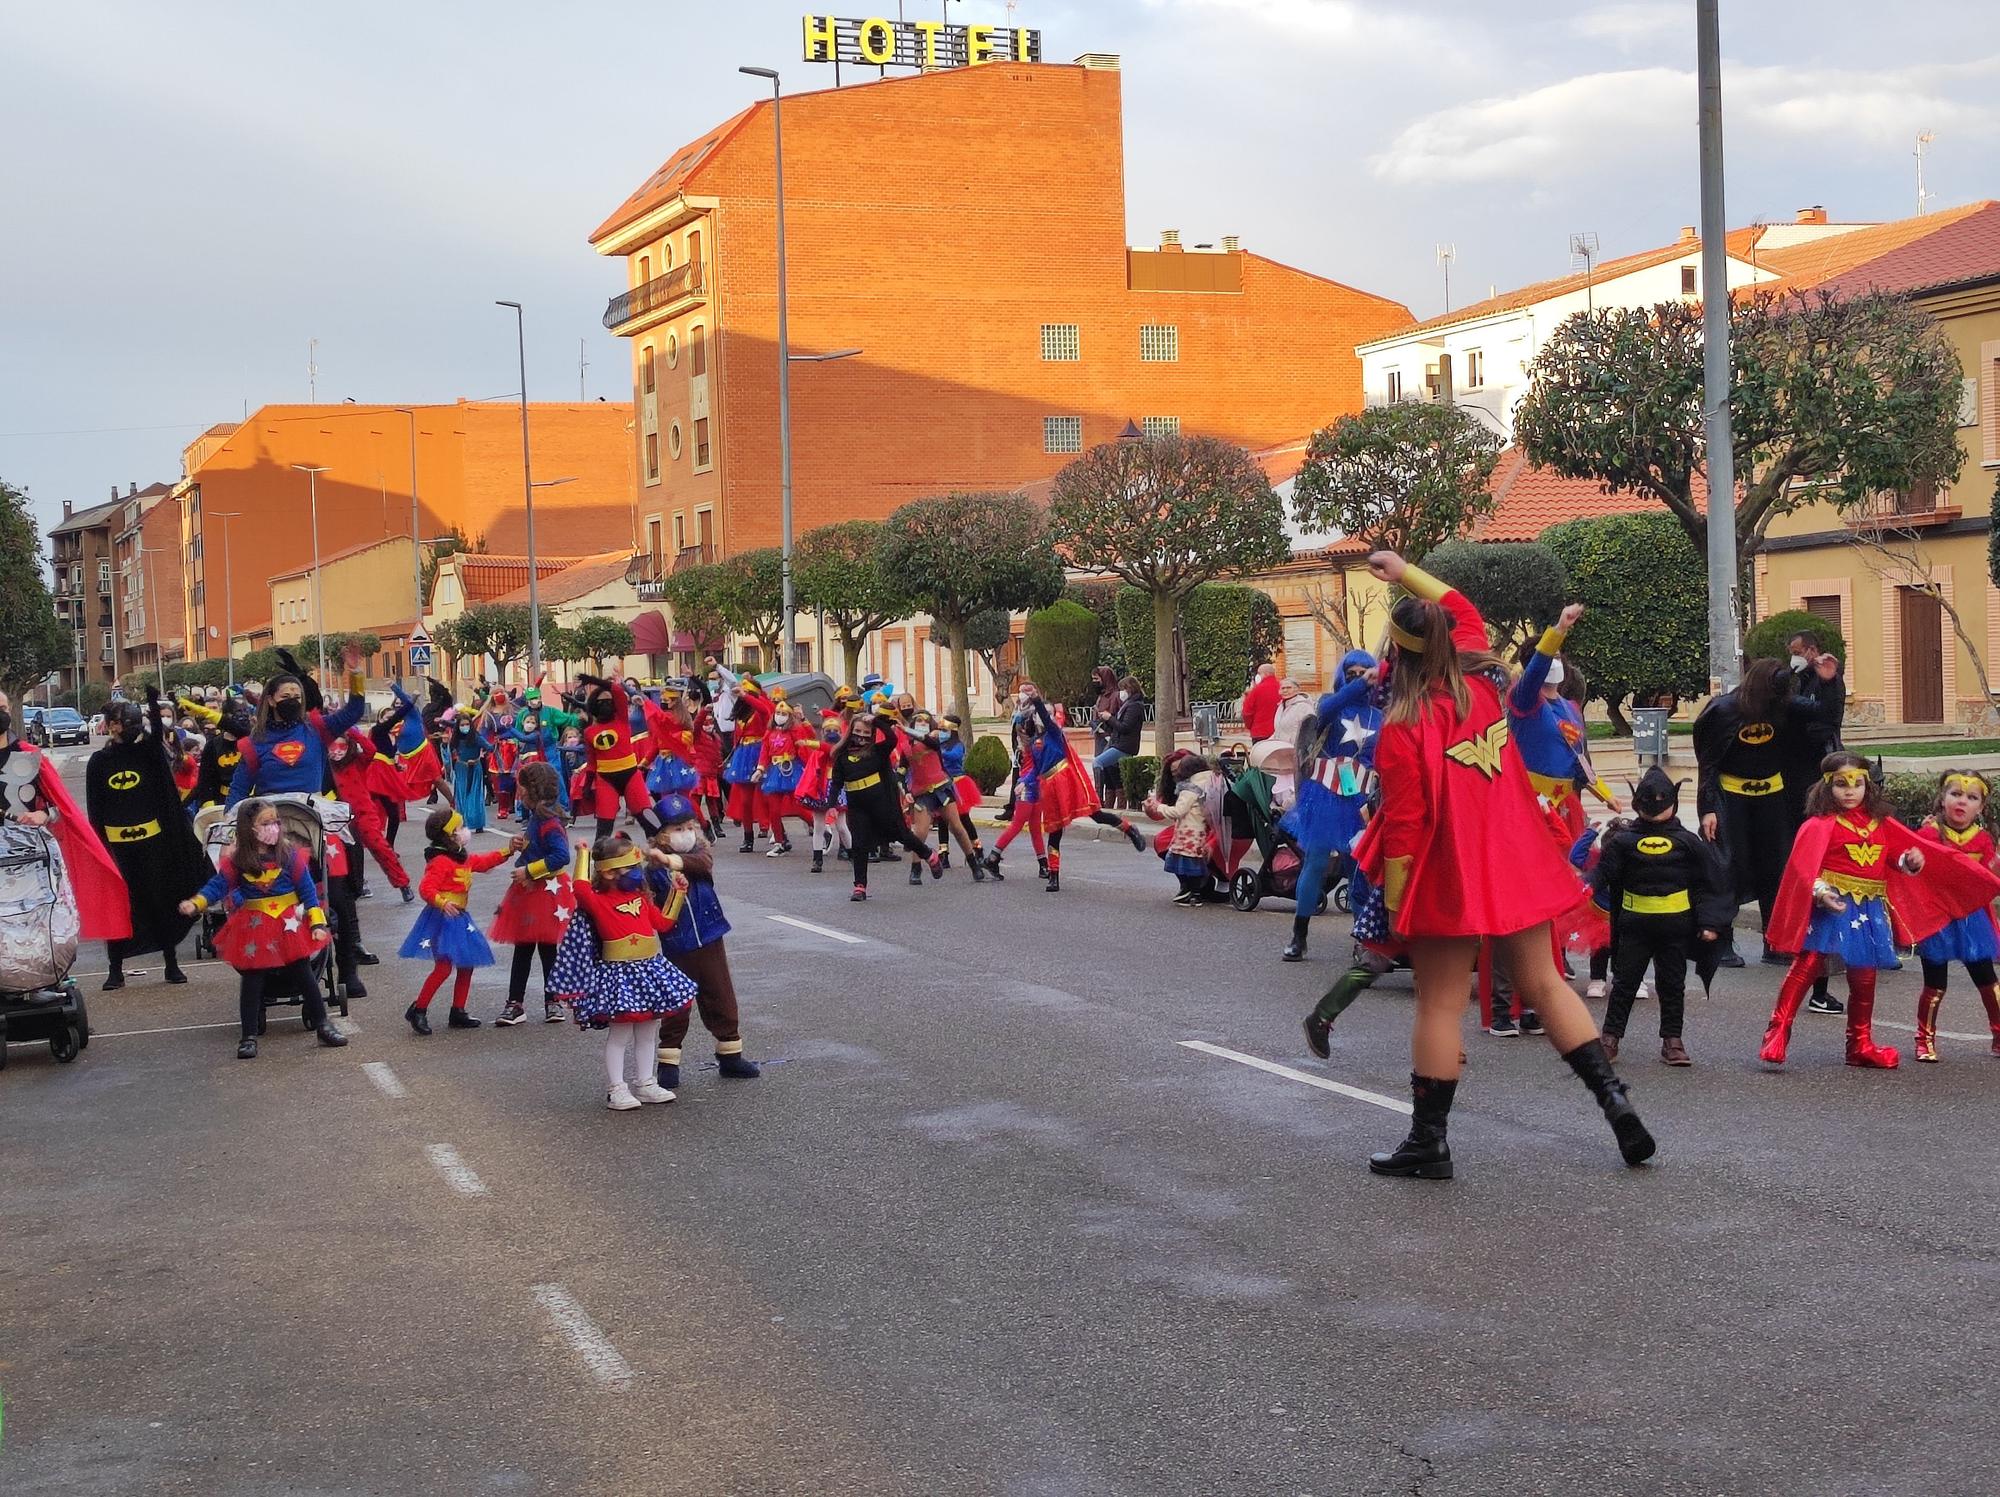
{"x":1424,"y":1155}
{"x":1296,"y":951}
{"x":1590,"y":1063}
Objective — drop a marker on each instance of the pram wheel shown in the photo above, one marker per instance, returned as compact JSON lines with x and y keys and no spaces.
{"x":64,"y":1046}
{"x":1243,"y":891}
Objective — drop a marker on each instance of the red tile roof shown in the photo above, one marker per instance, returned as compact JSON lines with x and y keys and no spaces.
{"x":1963,"y":248}
{"x":483,"y":579}
{"x":1531,"y":499}
{"x":1819,"y":262}
{"x":573,"y":582}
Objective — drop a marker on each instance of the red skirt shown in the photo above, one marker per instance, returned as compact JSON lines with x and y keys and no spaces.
{"x":769,"y":806}
{"x":968,"y":792}
{"x":421,"y":771}
{"x":535,"y":915}
{"x":388,"y":782}
{"x":253,"y":941}
{"x":1066,"y":794}
{"x":743,"y":798}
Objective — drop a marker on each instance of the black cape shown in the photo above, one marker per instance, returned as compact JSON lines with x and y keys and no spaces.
{"x":130,"y":785}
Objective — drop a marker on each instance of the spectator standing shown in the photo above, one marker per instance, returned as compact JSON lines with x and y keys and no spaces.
{"x":1260,"y":703}
{"x":1293,"y":710}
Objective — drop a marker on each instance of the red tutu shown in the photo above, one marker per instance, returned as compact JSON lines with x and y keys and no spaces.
{"x":251,"y":940}
{"x":386,"y":780}
{"x":1066,"y":794}
{"x":743,"y":798}
{"x":421,"y":770}
{"x":535,"y":915}
{"x":966,"y":788}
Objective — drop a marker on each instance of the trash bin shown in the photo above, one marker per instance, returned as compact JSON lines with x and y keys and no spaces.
{"x":1649,"y":735}
{"x":1206,"y":717}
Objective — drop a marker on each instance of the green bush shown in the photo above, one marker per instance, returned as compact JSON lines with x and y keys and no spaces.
{"x":1101,"y":598}
{"x":989,"y":763}
{"x":1061,"y":650}
{"x":1228,"y":629}
{"x":1519,"y":587}
{"x":1140,"y":772}
{"x":1912,"y":793}
{"x":1767,"y":637}
{"x":1645,"y":634}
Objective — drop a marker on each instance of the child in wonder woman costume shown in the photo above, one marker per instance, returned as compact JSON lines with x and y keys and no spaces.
{"x":1852,"y":889}
{"x":1461,"y":850}
{"x":1971,"y":939}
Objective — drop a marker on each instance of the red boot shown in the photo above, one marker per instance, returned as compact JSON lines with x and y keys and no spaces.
{"x":1861,"y":1047}
{"x":1792,"y":992}
{"x":1990,"y":996}
{"x":1927,"y":1011}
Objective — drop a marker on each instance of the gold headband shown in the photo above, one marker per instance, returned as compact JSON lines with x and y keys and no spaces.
{"x":1848,"y":776}
{"x":628,"y":859}
{"x":1405,"y":638}
{"x":1966,"y":780}
{"x":452,"y":823}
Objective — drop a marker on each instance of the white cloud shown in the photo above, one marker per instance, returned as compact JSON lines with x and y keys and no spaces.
{"x":1351,"y":25}
{"x":1637,"y":24}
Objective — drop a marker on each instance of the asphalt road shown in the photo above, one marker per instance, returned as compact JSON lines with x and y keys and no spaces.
{"x":986,"y":1225}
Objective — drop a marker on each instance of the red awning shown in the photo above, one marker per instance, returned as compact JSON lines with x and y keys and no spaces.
{"x":649,"y":633}
{"x":684,"y":642}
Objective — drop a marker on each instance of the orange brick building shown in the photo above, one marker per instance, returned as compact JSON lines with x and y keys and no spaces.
{"x":966,"y":230}
{"x":467,"y":475}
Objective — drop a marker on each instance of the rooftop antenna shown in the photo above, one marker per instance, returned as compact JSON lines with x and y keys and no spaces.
{"x":1924,"y":138}
{"x":1583,"y":247}
{"x":582,"y":363}
{"x":312,"y":371}
{"x":1446,"y":253}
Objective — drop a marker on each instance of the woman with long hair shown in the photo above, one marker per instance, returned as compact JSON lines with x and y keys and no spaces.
{"x":1461,"y":851}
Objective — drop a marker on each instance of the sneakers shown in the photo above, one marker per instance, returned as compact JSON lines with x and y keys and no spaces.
{"x":1597,"y":989}
{"x":1186,"y":899}
{"x":460,"y":1019}
{"x":819,"y":861}
{"x":511,"y":1015}
{"x":247,"y":1050}
{"x":1825,"y":1003}
{"x":620,"y":1099}
{"x":409,"y":895}
{"x":652,"y":1091}
{"x":552,"y":1011}
{"x":778,"y":849}
{"x":1644,"y":992}
{"x":1531,"y":1022}
{"x":937,"y":867}
{"x":419,"y":1020}
{"x":1503,"y":1027}
{"x":916,"y":874}
{"x":859,"y":895}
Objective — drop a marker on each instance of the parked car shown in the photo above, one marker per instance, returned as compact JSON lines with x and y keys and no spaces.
{"x":31,"y":726}
{"x":62,"y":725}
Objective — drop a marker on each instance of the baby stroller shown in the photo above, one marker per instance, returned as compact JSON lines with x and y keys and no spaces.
{"x":38,"y":931}
{"x":1256,"y":787}
{"x":309,"y":820}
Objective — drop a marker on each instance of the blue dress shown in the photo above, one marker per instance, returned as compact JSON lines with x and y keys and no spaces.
{"x":468,"y":777}
{"x":1859,"y":935}
{"x":447,"y":936}
{"x":1328,"y":814}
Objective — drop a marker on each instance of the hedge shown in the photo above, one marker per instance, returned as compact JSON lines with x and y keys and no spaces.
{"x":1913,"y":792}
{"x":989,"y":763}
{"x":1768,"y":637}
{"x":1140,"y":772}
{"x":1229,"y":630}
{"x":1645,"y":634}
{"x":1061,"y":650}
{"x":1101,"y":598}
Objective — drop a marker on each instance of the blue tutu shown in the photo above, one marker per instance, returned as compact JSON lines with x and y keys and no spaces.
{"x":742,"y":763}
{"x":670,"y":776}
{"x":782,"y":779}
{"x":1970,"y":938}
{"x":441,"y":937}
{"x":1322,"y":821}
{"x":601,"y":993}
{"x":1180,"y":865}
{"x":1859,"y":935}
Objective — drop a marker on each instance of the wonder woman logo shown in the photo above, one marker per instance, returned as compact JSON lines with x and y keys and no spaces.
{"x":630,"y":907}
{"x":1482,"y":751}
{"x":125,"y":779}
{"x":1865,"y":854}
{"x":1754,"y":733}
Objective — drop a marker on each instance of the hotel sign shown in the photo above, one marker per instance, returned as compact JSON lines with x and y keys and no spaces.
{"x":916,"y":44}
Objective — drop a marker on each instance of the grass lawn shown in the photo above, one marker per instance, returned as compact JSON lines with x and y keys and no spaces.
{"x":1942,"y":749}
{"x":1605,"y":730}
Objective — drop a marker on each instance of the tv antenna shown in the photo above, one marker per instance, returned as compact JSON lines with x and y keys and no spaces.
{"x":312,"y":371}
{"x":1446,"y":253}
{"x":1583,"y":246}
{"x":1924,"y":138}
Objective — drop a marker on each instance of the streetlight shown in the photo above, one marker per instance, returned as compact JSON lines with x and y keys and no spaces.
{"x":319,"y":602}
{"x":228,"y":592}
{"x":784,"y":359}
{"x":528,"y":493}
{"x":416,"y":546}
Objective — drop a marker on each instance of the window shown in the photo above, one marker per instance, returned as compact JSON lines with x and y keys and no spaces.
{"x":1062,"y":343}
{"x":652,"y":457}
{"x":645,"y":269}
{"x":1160,"y":426}
{"x":674,"y":439}
{"x":704,"y":524}
{"x":107,"y":644}
{"x":680,"y":528}
{"x":653,"y":542}
{"x":698,"y":349}
{"x":673,"y":351}
{"x":694,"y":253}
{"x":647,"y":381}
{"x":1687,"y":280}
{"x":1475,"y":368}
{"x":701,"y":444}
{"x":1393,"y":386}
{"x":1159,"y":343}
{"x":666,"y":256}
{"x":1826,"y":606}
{"x":104,"y":576}
{"x":1062,"y":433}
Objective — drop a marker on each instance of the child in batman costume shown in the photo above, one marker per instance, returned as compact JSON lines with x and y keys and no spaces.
{"x":1971,"y":939}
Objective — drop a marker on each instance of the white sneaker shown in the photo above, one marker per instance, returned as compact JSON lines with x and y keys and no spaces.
{"x":620,"y":1099}
{"x":1597,"y":988}
{"x":650,"y":1090}
{"x":777,"y":850}
{"x":1645,"y":990}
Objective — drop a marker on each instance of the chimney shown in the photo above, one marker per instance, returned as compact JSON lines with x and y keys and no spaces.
{"x":114,"y":493}
{"x":1689,"y":234}
{"x":1231,"y":243}
{"x":66,"y":509}
{"x":1170,"y":239}
{"x":131,"y":491}
{"x":1102,"y":62}
{"x":1816,"y":214}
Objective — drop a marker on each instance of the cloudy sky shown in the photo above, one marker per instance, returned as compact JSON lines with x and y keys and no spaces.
{"x":194,"y":190}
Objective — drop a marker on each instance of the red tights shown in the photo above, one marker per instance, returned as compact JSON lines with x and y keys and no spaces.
{"x":460,"y":990}
{"x":1026,"y":814}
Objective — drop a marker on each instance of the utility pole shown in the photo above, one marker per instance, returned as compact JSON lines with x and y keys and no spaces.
{"x":528,"y":500}
{"x":312,"y":373}
{"x":1446,"y":253}
{"x":789,"y":643}
{"x":319,"y":598}
{"x":582,"y":364}
{"x":1723,"y":650}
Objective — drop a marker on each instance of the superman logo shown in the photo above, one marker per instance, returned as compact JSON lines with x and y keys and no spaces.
{"x":1572,"y":734}
{"x":1865,"y":854}
{"x":1656,"y":845}
{"x":1756,"y":733}
{"x":289,"y":752}
{"x":1482,"y":751}
{"x":604,"y":740}
{"x":125,"y":779}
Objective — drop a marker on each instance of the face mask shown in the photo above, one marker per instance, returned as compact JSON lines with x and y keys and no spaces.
{"x":6,"y":722}
{"x":686,"y":841}
{"x":603,"y":710}
{"x":782,"y":720}
{"x":1123,"y":695}
{"x":268,"y":833}
{"x":530,"y":727}
{"x":463,"y":836}
{"x":631,"y":878}
{"x":338,"y":753}
{"x":290,"y":710}
{"x":1799,"y":662}
{"x":920,"y":730}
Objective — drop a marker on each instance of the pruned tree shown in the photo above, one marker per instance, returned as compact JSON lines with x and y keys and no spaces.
{"x":561,"y":646}
{"x":1167,"y":513}
{"x":1518,"y":586}
{"x":836,"y":572}
{"x":1832,"y":398}
{"x":33,"y":641}
{"x":495,"y":631}
{"x":964,"y":553}
{"x":698,"y":598}
{"x":986,"y":635}
{"x":1406,"y":477}
{"x":753,"y":598}
{"x":599,"y":637}
{"x":1644,"y":633}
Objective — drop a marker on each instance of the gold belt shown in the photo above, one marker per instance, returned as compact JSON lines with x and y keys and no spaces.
{"x":612,"y":766}
{"x":1860,"y":888}
{"x":137,"y":833}
{"x":1736,"y":784}
{"x":1676,"y":903}
{"x":867,"y":784}
{"x":631,"y":948}
{"x":272,"y":905}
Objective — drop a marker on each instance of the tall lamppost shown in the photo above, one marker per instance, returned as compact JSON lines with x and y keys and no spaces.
{"x":528,"y":499}
{"x":784,"y":358}
{"x":319,"y":601}
{"x":416,"y":546}
{"x":228,"y":592}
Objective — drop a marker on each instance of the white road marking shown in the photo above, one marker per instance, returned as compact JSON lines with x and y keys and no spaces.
{"x":457,"y":1173}
{"x":819,"y":930}
{"x":386,"y":1081}
{"x":591,"y":1344}
{"x":1393,"y":1104}
{"x":147,"y":971}
{"x":1943,"y":1034}
{"x":112,"y":1034}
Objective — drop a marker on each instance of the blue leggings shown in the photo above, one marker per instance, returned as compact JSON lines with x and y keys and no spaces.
{"x":1320,"y":867}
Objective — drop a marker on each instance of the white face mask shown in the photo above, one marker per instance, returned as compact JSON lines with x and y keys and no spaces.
{"x":268,"y":833}
{"x":684,"y":841}
{"x":1123,"y":695}
{"x":1799,"y":662}
{"x":463,"y":836}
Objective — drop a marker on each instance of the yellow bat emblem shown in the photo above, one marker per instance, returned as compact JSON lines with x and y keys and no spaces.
{"x":129,"y":833}
{"x":1865,"y":854}
{"x":1482,"y":750}
{"x":1756,"y":733}
{"x":125,"y":779}
{"x":1656,"y":845}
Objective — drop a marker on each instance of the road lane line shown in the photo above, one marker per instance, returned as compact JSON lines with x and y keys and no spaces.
{"x":386,"y":1081}
{"x":1943,"y":1034}
{"x":457,"y":1173}
{"x":589,"y":1343}
{"x":112,"y":1034}
{"x":819,"y":930}
{"x":1358,"y":1094}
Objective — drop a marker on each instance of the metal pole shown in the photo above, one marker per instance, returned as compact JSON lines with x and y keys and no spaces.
{"x":319,"y":597}
{"x":416,"y":545}
{"x":1724,"y":652}
{"x":228,"y":605}
{"x":784,"y":384}
{"x":528,"y":490}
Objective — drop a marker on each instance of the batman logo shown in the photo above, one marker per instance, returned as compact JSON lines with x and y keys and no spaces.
{"x":1756,"y":733}
{"x":228,"y":761}
{"x":125,"y":779}
{"x":603,"y":741}
{"x":1656,"y":845}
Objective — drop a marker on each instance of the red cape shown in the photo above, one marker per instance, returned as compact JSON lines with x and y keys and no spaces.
{"x":1920,"y":904}
{"x":103,"y":904}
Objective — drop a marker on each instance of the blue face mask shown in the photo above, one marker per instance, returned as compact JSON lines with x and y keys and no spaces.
{"x":631,"y":878}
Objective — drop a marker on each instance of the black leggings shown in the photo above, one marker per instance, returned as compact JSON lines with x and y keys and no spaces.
{"x":866,"y":832}
{"x":392,"y":817}
{"x":524,"y":959}
{"x":1938,"y":974}
{"x":250,"y":997}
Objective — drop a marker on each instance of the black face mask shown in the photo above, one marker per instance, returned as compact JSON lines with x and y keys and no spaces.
{"x":603,"y":710}
{"x":290,"y":710}
{"x":6,"y":724}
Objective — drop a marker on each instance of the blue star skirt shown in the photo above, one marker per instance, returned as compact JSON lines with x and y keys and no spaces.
{"x":1970,"y":938}
{"x":602,"y":993}
{"x":447,"y":936}
{"x":1859,"y":935}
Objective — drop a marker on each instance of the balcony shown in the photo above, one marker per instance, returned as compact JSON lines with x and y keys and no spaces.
{"x":694,"y":556}
{"x":682,"y":286}
{"x":1920,"y":508}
